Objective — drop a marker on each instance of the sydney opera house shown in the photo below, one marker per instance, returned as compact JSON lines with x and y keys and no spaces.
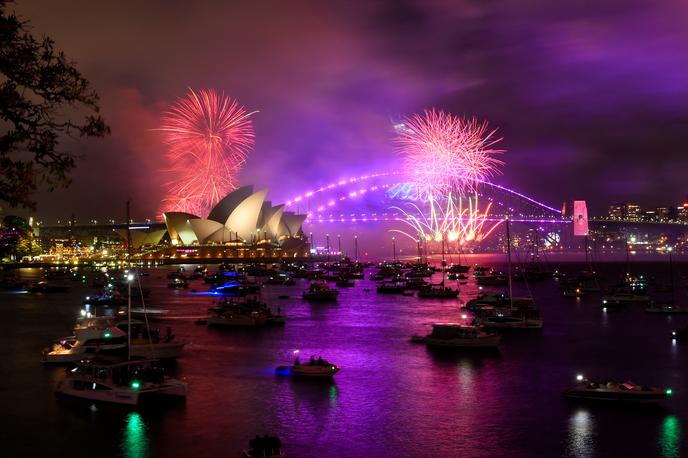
{"x":242,"y":224}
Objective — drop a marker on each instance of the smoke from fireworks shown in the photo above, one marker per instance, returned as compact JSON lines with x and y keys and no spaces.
{"x":444,"y":153}
{"x":209,"y":136}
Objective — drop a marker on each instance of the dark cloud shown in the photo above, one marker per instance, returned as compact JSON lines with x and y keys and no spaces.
{"x":589,"y":96}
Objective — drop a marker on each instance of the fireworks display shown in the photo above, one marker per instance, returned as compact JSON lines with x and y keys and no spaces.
{"x":209,"y":136}
{"x":443,"y":153}
{"x":458,"y":219}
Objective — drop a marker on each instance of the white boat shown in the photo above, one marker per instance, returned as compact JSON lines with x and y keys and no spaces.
{"x":86,"y":342}
{"x":120,"y":382}
{"x":454,"y":335}
{"x":106,"y":335}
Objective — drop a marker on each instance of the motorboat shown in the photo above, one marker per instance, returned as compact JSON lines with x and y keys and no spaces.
{"x":119,"y":381}
{"x":615,"y":391}
{"x":495,"y":279}
{"x":248,"y":313}
{"x":454,"y":335}
{"x":573,"y":292}
{"x":107,"y":335}
{"x":488,"y":299}
{"x":344,"y":283}
{"x":86,"y":343}
{"x":320,"y":292}
{"x":438,"y":292}
{"x":391,"y":288}
{"x":527,"y":318}
{"x":415,"y":284}
{"x":264,"y":447}
{"x":621,"y":298}
{"x":178,"y":283}
{"x":458,"y":269}
{"x":314,"y":368}
{"x":665,"y":307}
{"x":47,"y":287}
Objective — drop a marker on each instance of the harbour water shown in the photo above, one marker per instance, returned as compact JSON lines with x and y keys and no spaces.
{"x":392,"y":398}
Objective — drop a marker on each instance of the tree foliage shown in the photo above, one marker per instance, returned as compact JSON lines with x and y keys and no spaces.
{"x":43,"y":99}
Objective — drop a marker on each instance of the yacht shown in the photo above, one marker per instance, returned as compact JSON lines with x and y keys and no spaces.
{"x":391,"y":288}
{"x":248,"y":313}
{"x":344,"y":283}
{"x":453,"y":335}
{"x":46,"y":287}
{"x":86,"y":342}
{"x":621,"y":298}
{"x":573,"y":292}
{"x":320,"y":292}
{"x":178,"y":283}
{"x":438,"y":292}
{"x":615,"y":391}
{"x":119,"y":381}
{"x":665,"y":307}
{"x":107,"y":335}
{"x":526,"y":318}
{"x":314,"y":368}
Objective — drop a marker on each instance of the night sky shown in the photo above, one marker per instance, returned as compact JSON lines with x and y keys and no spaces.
{"x":590,"y":97}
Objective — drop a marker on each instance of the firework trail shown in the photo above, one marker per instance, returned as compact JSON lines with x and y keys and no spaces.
{"x":444,"y":153}
{"x":209,"y":136}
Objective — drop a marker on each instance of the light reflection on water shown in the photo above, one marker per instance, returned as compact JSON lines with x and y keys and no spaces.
{"x":581,"y":441}
{"x":134,"y":437}
{"x":670,"y":437}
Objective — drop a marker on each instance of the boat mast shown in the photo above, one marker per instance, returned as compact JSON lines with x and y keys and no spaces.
{"x":129,"y":278}
{"x":508,"y":257}
{"x":671,"y":275}
{"x":444,"y":263}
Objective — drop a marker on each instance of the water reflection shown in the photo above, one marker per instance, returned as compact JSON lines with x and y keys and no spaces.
{"x":135,"y":439}
{"x":670,"y":437}
{"x":580,"y":441}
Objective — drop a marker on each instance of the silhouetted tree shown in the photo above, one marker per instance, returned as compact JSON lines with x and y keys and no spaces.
{"x":39,"y":88}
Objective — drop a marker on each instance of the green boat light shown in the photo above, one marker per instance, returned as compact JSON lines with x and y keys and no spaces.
{"x":135,"y":385}
{"x":669,"y":391}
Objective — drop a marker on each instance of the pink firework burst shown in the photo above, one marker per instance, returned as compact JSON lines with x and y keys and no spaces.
{"x":444,"y":153}
{"x":209,"y":136}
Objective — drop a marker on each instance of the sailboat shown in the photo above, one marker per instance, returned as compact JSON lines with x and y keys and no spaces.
{"x":523,"y":316}
{"x":667,"y":306}
{"x":109,"y":379}
{"x":439,"y":291}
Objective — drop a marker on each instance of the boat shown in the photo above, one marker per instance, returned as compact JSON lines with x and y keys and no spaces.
{"x":523,"y":318}
{"x":621,"y":298}
{"x":458,"y":269}
{"x":454,"y":335}
{"x":615,"y":391}
{"x":248,"y":313}
{"x":494,"y":279}
{"x":178,"y":283}
{"x":680,"y":334}
{"x":573,"y":292}
{"x":344,"y":283}
{"x":391,"y":288}
{"x":264,"y":447}
{"x":438,"y":292}
{"x":119,"y":381}
{"x":87,"y":342}
{"x":95,"y":336}
{"x":47,"y":287}
{"x":318,"y":368}
{"x":665,"y":307}
{"x":320,"y":292}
